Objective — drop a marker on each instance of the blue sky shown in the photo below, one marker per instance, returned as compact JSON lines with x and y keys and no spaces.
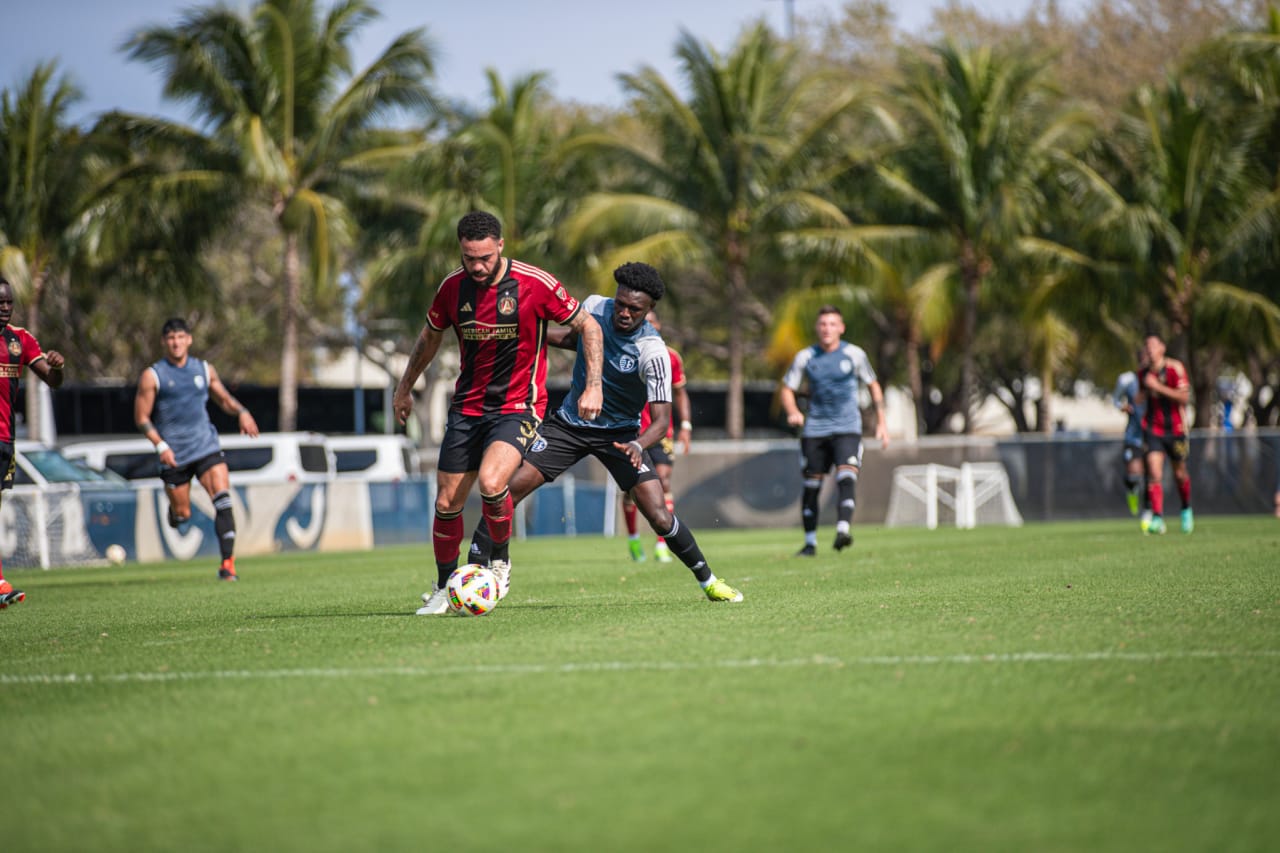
{"x":582,"y":43}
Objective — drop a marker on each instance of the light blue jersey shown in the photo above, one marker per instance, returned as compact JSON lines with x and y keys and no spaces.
{"x":1127,"y":392}
{"x":180,"y":413}
{"x":833,"y":379}
{"x":637,"y":371}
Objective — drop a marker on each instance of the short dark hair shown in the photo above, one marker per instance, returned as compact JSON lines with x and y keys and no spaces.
{"x":175,"y":324}
{"x":642,"y":277}
{"x":479,"y":224}
{"x":830,"y":309}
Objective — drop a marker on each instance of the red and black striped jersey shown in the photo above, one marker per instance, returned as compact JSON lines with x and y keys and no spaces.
{"x":20,"y":349}
{"x":1165,"y":416}
{"x":502,"y":337}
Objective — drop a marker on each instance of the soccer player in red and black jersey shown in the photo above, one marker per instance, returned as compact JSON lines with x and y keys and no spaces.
{"x":20,"y":349}
{"x":498,"y":308}
{"x":663,"y":454}
{"x":1166,"y":390}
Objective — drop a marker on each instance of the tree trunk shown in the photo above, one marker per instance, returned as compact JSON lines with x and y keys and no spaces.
{"x":35,"y":425}
{"x":972,"y":277}
{"x":734,"y":418}
{"x":289,"y":335}
{"x":916,"y":377}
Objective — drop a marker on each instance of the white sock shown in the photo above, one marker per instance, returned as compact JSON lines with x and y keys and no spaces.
{"x":708,"y":582}
{"x":842,"y":527}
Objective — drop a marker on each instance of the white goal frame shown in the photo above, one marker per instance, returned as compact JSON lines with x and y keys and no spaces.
{"x":975,"y":493}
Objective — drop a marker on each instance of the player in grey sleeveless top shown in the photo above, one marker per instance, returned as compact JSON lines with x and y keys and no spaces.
{"x":171,"y":410}
{"x":832,"y":370}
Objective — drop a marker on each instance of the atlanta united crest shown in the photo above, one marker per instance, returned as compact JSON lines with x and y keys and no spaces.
{"x":15,"y":348}
{"x":507,"y":305}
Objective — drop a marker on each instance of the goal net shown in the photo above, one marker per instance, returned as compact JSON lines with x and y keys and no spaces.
{"x":44,"y":528}
{"x":932,"y":495}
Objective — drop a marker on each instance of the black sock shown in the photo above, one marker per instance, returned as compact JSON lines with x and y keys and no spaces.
{"x":846,"y":484}
{"x":809,"y":505}
{"x":224,"y":524}
{"x":681,"y":542}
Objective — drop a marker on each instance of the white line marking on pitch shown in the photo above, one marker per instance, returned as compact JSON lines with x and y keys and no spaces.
{"x":623,"y":666}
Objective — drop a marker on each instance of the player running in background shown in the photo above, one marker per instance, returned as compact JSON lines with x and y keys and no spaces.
{"x":636,"y":376}
{"x":20,"y":350}
{"x":662,"y":453}
{"x":171,"y":410}
{"x":833,"y":370}
{"x":1126,"y":399}
{"x":1166,"y":391}
{"x":498,"y":308}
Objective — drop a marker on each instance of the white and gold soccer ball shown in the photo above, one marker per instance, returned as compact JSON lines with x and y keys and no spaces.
{"x":116,"y":554}
{"x":472,"y":590}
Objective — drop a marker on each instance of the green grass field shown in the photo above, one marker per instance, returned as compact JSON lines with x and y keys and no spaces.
{"x":1073,"y":687}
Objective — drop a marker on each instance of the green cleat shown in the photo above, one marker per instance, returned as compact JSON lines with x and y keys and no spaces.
{"x":1132,"y":497}
{"x":721,"y":591}
{"x":1188,"y":520}
{"x":637,"y":550}
{"x":1156,"y":525}
{"x":662,"y":553}
{"x":1145,"y":521}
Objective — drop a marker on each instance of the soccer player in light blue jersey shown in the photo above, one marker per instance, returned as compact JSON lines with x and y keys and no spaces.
{"x":833,"y":371}
{"x":171,"y":410}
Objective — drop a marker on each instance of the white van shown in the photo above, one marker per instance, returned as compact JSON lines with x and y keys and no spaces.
{"x":375,"y":457}
{"x":272,"y":457}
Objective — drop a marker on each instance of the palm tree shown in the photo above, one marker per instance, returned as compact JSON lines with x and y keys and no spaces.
{"x":710,"y":184}
{"x":983,"y":138}
{"x":281,"y":118}
{"x":40,"y":186}
{"x":1198,"y":217}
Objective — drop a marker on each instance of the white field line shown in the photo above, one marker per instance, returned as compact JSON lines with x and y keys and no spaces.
{"x":624,"y":666}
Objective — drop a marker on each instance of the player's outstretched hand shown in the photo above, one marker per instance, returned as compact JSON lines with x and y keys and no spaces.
{"x":248,"y":426}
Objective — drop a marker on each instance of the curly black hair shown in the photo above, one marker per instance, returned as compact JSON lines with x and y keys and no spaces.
{"x":641,"y":277}
{"x":479,"y":224}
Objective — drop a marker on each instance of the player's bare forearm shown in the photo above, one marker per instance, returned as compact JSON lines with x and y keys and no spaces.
{"x":592,"y":340}
{"x":49,"y":368}
{"x":424,"y":350}
{"x":787,"y":397}
{"x":562,"y":337}
{"x":660,"y":420}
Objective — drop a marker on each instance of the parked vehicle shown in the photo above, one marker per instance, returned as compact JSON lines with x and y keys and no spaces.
{"x":272,"y":457}
{"x":62,"y":511}
{"x":375,"y":457}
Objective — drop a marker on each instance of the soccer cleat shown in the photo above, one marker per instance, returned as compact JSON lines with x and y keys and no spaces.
{"x":228,"y":570}
{"x":807,"y":551}
{"x":1145,"y":521}
{"x":843,"y":540}
{"x":502,"y":571}
{"x":435,"y":603}
{"x":9,"y":595}
{"x":1132,"y":498}
{"x":1188,"y":520}
{"x":637,"y":550}
{"x":662,"y":553}
{"x":721,"y":591}
{"x":1156,"y":525}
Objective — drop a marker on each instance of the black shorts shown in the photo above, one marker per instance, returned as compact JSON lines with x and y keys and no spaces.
{"x":819,"y":453}
{"x":664,"y":453}
{"x":467,"y":437}
{"x":182,"y":474}
{"x":560,"y":446}
{"x":1176,"y":447}
{"x":8,"y":464}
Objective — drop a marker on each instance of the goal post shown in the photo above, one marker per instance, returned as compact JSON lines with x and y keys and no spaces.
{"x":932,"y":495}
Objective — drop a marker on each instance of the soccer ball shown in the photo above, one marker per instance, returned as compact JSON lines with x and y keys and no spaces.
{"x":472,"y":590}
{"x":116,"y":554}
